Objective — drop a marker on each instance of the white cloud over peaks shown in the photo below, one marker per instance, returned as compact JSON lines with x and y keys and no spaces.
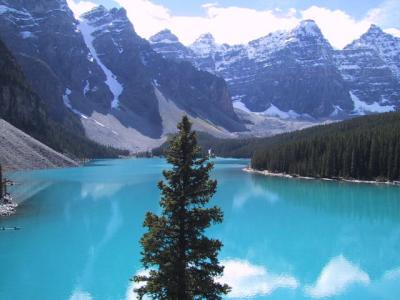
{"x":339,"y":28}
{"x":238,"y":25}
{"x":393,"y":31}
{"x":386,"y":14}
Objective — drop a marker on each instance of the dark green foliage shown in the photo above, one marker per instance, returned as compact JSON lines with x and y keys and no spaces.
{"x":365,"y":148}
{"x":182,"y":262}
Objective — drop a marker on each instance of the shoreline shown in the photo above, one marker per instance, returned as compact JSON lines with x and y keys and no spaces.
{"x":7,"y":206}
{"x":284,"y":175}
{"x":8,"y":209}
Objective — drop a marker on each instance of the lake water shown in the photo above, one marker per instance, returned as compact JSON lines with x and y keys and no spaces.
{"x":283,"y":238}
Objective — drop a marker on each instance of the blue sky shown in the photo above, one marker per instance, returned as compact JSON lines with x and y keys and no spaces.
{"x":239,"y":21}
{"x":357,"y":8}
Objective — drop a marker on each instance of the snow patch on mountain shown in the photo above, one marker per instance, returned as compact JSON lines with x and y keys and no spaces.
{"x":274,"y":111}
{"x":67,"y":103}
{"x":337,"y":110}
{"x":386,"y":45}
{"x":5,"y":9}
{"x":362,"y":108}
{"x":204,"y":45}
{"x":309,"y":28}
{"x":26,"y":34}
{"x":240,"y":105}
{"x":111,"y":80}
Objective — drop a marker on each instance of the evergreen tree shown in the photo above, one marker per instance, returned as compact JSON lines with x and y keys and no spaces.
{"x":181,"y":261}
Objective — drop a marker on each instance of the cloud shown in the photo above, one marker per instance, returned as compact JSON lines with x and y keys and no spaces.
{"x":336,"y":277}
{"x":80,"y":7}
{"x":386,"y":15}
{"x":248,"y":280}
{"x":238,"y":25}
{"x":337,"y":26}
{"x":393,"y":31}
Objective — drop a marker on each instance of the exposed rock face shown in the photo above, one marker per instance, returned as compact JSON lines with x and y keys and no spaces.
{"x":169,"y":46}
{"x":19,"y":105}
{"x":19,"y":151}
{"x":139,"y":69}
{"x":101,"y":66}
{"x":298,"y":73}
{"x":371,"y":69}
{"x":24,"y":109}
{"x":44,"y":38}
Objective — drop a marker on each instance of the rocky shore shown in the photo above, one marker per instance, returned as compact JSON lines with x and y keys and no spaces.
{"x":273,"y":174}
{"x":19,"y":151}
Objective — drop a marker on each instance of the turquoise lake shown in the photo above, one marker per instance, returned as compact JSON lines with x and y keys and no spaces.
{"x":283,"y":238}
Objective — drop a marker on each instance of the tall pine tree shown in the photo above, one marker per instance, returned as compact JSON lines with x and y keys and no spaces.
{"x":181,"y":260}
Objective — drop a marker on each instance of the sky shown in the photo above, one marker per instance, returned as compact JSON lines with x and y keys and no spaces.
{"x":240,"y":21}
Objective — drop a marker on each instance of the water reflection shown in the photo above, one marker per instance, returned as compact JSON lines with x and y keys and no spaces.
{"x":248,"y":280}
{"x":336,"y":277}
{"x":359,"y":201}
{"x":27,"y":189}
{"x":254,"y":191}
{"x":283,"y":239}
{"x":100,"y":190}
{"x":112,"y":226}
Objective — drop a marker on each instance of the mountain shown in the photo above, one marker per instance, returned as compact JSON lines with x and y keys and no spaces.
{"x":44,"y":38}
{"x":100,"y":78}
{"x":371,"y":68}
{"x":19,"y":151}
{"x":168,"y":44}
{"x":297,"y":73}
{"x":24,"y":109}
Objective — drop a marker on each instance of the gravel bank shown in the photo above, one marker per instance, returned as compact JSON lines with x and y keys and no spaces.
{"x":19,"y":151}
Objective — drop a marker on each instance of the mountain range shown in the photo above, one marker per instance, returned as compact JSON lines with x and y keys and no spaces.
{"x":97,"y":73}
{"x":298,"y":73}
{"x":96,"y":77}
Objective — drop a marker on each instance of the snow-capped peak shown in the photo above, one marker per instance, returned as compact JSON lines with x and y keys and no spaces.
{"x":374,"y":29}
{"x":375,"y":35}
{"x":96,"y":20}
{"x":165,"y":36}
{"x":308,"y":28}
{"x":204,"y":45}
{"x":206,"y":38}
{"x":386,"y":46}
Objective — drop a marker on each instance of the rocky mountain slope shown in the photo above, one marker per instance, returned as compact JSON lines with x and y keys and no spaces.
{"x":19,"y":151}
{"x":371,"y":69}
{"x":298,"y":73}
{"x":25,"y":110}
{"x":99,"y":77}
